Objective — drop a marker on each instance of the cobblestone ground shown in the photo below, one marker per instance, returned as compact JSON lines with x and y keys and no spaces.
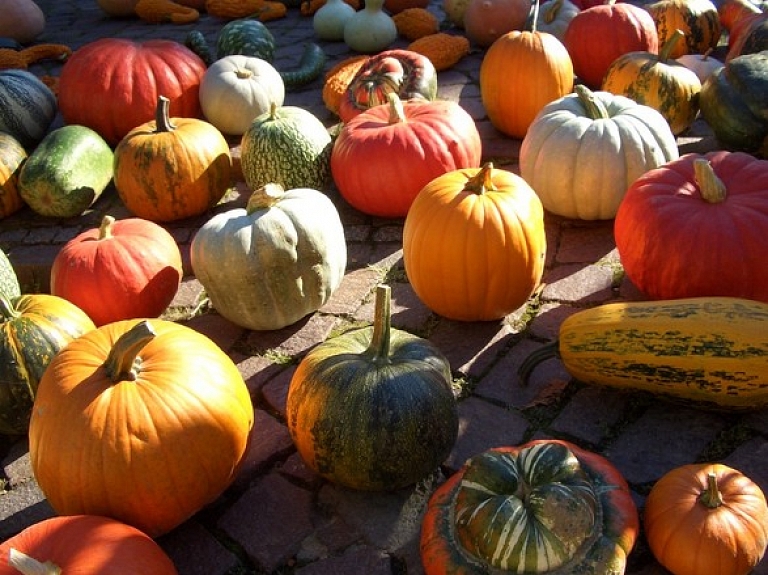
{"x":278,"y":516}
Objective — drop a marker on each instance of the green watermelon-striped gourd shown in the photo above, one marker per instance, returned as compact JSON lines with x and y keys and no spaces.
{"x":27,"y":106}
{"x":9,"y":283}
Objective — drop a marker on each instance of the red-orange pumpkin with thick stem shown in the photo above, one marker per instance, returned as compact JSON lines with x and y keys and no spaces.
{"x":83,"y":544}
{"x":713,"y":209}
{"x":384,"y":157}
{"x":474,"y":243}
{"x":600,"y":34}
{"x":172,"y":168}
{"x":131,"y":76}
{"x":121,"y":270}
{"x":712,"y":508}
{"x":161,"y":418}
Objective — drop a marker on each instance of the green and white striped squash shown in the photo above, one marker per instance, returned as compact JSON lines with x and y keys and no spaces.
{"x":248,"y":37}
{"x":9,"y":283}
{"x":287,"y":145}
{"x":27,"y":106}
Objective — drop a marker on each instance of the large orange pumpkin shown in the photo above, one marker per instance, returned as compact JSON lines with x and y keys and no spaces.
{"x":172,"y":168}
{"x":474,"y":243}
{"x":160,"y":417}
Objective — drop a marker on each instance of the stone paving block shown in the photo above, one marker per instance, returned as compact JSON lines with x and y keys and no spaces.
{"x":194,"y":551}
{"x":275,"y":392}
{"x":577,"y":283}
{"x":269,"y":441}
{"x":590,"y":414}
{"x":750,"y":458}
{"x":355,"y":287}
{"x":218,"y":329}
{"x":587,"y":244}
{"x":329,"y":539}
{"x":355,"y":561}
{"x":471,"y":347}
{"x":22,"y":507}
{"x":547,"y":322}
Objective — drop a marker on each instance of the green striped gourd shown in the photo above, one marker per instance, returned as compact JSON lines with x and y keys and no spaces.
{"x":9,"y":283}
{"x":27,"y":106}
{"x":247,"y":37}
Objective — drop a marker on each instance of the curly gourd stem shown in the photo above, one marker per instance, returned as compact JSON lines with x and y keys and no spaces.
{"x":711,"y":188}
{"x":378,"y":349}
{"x":593,"y":107}
{"x":123,"y":362}
{"x":26,"y":565}
{"x":547,"y":351}
{"x":712,"y":498}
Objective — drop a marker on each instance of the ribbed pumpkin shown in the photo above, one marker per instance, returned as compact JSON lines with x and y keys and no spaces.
{"x":712,"y":508}
{"x":27,"y":106}
{"x":538,"y":56}
{"x":485,"y":21}
{"x":161,"y":418}
{"x":9,"y":283}
{"x":287,"y":145}
{"x":583,"y":151}
{"x":123,"y":269}
{"x":269,"y":265}
{"x":33,"y":329}
{"x":657,"y":81}
{"x":172,"y":168}
{"x":83,"y":544}
{"x":12,"y":156}
{"x":383,"y":157}
{"x":713,"y":209}
{"x":474,"y":243}
{"x":697,"y":19}
{"x":373,"y":409}
{"x":598,"y":35}
{"x":132,"y":76}
{"x":546,"y":506}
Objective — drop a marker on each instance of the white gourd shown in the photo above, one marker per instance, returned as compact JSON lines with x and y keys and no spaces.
{"x":371,"y":29}
{"x":329,"y":21}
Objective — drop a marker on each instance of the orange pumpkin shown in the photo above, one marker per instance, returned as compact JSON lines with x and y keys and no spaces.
{"x":474,"y":243}
{"x":485,"y":21}
{"x":12,"y":156}
{"x":698,"y":20}
{"x":170,"y":169}
{"x":711,"y":509}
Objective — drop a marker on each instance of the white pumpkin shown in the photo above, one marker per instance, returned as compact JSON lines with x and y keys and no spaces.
{"x":236,"y":89}
{"x":554,"y":17}
{"x":703,"y":65}
{"x":21,"y":20}
{"x":279,"y":259}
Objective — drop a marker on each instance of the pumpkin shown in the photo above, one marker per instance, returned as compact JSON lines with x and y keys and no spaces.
{"x":370,"y":30}
{"x":270,"y":264}
{"x":236,"y":89}
{"x":697,"y":19}
{"x":712,"y":508}
{"x":383,"y":157}
{"x":703,"y":65}
{"x":581,"y":168}
{"x":546,"y":506}
{"x":732,"y":104}
{"x":132,"y":76}
{"x":512,"y":106}
{"x":287,"y":145}
{"x":172,"y":168}
{"x":23,"y":20}
{"x":12,"y":156}
{"x":329,"y":20}
{"x":751,"y":36}
{"x":707,"y":352}
{"x":83,"y":544}
{"x":121,"y":270}
{"x":474,"y":243}
{"x":118,"y":8}
{"x":160,"y":415}
{"x":33,"y":329}
{"x":553,"y":17}
{"x":410,"y":75}
{"x":598,"y":35}
{"x":373,"y":409}
{"x":27,"y":107}
{"x":657,"y":81}
{"x":485,"y":21}
{"x":9,"y":283}
{"x":710,"y":207}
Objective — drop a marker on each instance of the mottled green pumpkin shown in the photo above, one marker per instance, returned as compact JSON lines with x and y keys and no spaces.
{"x":9,"y":283}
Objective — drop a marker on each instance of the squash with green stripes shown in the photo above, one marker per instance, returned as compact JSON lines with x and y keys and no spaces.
{"x":27,"y":106}
{"x":708,"y":351}
{"x":9,"y":283}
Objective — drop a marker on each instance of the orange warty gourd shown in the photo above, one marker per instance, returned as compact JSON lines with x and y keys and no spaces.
{"x":474,"y":243}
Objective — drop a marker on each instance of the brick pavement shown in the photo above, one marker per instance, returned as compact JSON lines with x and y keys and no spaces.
{"x":279,"y":517}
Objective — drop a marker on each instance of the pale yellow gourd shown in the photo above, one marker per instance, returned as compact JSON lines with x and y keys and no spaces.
{"x":371,"y":29}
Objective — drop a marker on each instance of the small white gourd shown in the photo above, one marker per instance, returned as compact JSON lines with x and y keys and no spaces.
{"x":371,"y":29}
{"x":329,"y":21}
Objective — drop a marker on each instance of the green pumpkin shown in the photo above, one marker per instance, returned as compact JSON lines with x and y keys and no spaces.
{"x":33,"y":329}
{"x":373,"y":409}
{"x":248,"y":37}
{"x":9,"y":283}
{"x":288,"y":146}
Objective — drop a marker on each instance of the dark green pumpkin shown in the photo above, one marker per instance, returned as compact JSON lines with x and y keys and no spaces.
{"x":33,"y":329}
{"x":373,"y":409}
{"x":9,"y":283}
{"x":733,"y":103}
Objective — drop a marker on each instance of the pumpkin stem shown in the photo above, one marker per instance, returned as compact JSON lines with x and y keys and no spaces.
{"x":264,"y":197}
{"x":712,"y":497}
{"x":482,"y":181}
{"x":28,"y":566}
{"x":105,"y":229}
{"x":7,"y":311}
{"x":594,"y":108}
{"x":272,"y":109}
{"x":396,"y":109}
{"x":536,"y":16}
{"x":162,"y":117}
{"x":545,"y":352}
{"x":669,"y":45}
{"x":382,"y":325}
{"x":243,"y":73}
{"x":123,"y":362}
{"x":711,"y":187}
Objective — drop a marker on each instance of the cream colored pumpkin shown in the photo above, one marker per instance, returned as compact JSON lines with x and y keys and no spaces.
{"x":703,"y":65}
{"x":582,"y":152}
{"x":554,"y":17}
{"x":236,"y":89}
{"x":279,"y":259}
{"x":21,"y":20}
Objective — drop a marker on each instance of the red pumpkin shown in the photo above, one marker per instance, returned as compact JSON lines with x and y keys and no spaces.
{"x":696,"y":227}
{"x":84,"y":544}
{"x":122,"y":270}
{"x":131,"y":77}
{"x":600,"y":34}
{"x":384,"y":157}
